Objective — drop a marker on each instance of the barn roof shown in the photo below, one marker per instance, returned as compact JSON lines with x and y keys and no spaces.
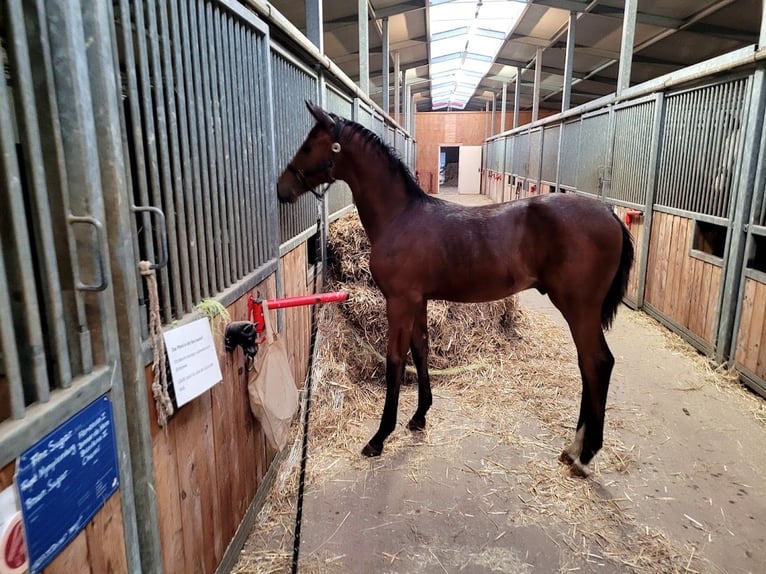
{"x":669,"y":35}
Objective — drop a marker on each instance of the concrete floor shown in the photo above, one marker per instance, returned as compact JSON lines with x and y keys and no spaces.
{"x":693,"y":490}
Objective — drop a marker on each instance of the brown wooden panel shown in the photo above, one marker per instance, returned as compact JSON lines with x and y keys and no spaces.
{"x":696,"y":311}
{"x":73,"y":558}
{"x":750,"y":325}
{"x":684,"y":280}
{"x":760,"y":301}
{"x":712,"y":302}
{"x":106,"y":538}
{"x":6,"y":475}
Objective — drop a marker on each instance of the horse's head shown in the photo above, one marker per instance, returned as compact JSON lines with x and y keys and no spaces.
{"x":314,"y":163}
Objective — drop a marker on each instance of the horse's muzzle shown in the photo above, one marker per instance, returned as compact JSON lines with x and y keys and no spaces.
{"x":286,"y":193}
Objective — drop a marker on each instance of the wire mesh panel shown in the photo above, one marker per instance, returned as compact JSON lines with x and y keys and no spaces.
{"x":570,"y":154}
{"x":57,"y":351}
{"x":509,"y":152}
{"x":594,"y":138}
{"x":535,"y":153}
{"x":339,"y":195}
{"x":291,"y":85}
{"x":365,"y":117}
{"x":550,"y":153}
{"x":497,"y":154}
{"x":521,"y":155}
{"x":196,"y":78}
{"x":633,"y":139}
{"x":379,"y":126}
{"x":701,"y":144}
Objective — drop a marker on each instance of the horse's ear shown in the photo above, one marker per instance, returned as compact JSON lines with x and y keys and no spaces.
{"x":320,"y":115}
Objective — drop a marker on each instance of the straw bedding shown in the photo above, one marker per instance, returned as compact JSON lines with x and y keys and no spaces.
{"x":522,"y":361}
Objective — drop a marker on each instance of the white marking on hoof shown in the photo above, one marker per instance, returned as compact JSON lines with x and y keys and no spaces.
{"x":574,"y":449}
{"x":579,"y":469}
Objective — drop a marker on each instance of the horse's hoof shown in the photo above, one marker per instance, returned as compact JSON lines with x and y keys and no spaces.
{"x":564,"y":458}
{"x":579,"y":470}
{"x":416,"y":425}
{"x":369,"y":450}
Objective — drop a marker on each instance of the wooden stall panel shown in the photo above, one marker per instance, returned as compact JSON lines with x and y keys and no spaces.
{"x":683,"y":288}
{"x":208,"y":462}
{"x":636,"y":228}
{"x":297,"y":320}
{"x":751,"y":336}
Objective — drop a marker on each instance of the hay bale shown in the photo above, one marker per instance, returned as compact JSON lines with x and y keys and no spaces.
{"x":459,"y":333}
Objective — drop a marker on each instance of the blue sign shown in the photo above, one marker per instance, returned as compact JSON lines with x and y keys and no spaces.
{"x":64,"y":479}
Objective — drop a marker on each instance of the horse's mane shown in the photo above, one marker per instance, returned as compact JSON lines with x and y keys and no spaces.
{"x":395,"y":163}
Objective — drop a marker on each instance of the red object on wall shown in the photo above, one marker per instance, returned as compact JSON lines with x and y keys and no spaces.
{"x":631,"y":215}
{"x":255,"y":308}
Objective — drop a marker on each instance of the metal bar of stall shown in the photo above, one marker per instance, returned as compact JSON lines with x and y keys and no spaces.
{"x":179,"y":177}
{"x":171,"y":172}
{"x":244,"y":152}
{"x":193,"y":184}
{"x":210,"y":284}
{"x":234,"y":149}
{"x":735,"y":159}
{"x":215,"y":267}
{"x":223,"y":169}
{"x":154,"y":134}
{"x":29,"y":133}
{"x":227,"y":184}
{"x":134,"y":146}
{"x":707,"y":151}
{"x":229,"y":151}
{"x":740,"y":216}
{"x":260,"y":157}
{"x":11,"y":361}
{"x":243,"y":65}
{"x":716,"y":194}
{"x":653,"y":180}
{"x":75,"y":114}
{"x":122,"y":306}
{"x":688,"y":139}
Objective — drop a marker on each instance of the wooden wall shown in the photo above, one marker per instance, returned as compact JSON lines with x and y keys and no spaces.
{"x":751,"y":337}
{"x":683,"y":287}
{"x":208,"y":462}
{"x":433,"y":129}
{"x":99,"y":548}
{"x":636,"y":228}
{"x":297,"y":320}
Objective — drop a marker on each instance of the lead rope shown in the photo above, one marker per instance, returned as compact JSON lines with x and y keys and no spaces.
{"x":306,"y":415}
{"x":159,"y":364}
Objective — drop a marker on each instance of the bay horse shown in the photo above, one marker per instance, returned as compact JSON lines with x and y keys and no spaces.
{"x":572,"y":247}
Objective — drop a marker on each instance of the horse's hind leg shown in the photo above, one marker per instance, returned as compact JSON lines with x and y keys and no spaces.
{"x":400,"y":320}
{"x":419,"y":349}
{"x":596,"y":362}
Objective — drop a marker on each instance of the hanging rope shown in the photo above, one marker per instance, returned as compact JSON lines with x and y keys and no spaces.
{"x":159,"y":363}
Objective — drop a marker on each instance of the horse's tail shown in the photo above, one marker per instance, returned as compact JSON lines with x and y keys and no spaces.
{"x":620,"y":282}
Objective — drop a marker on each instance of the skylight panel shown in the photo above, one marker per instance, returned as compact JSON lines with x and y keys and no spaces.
{"x":466,"y":36}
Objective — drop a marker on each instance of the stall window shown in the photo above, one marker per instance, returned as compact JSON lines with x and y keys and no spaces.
{"x":709,"y":238}
{"x":757,"y":257}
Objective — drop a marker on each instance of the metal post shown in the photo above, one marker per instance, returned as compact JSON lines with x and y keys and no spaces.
{"x":536,"y":95}
{"x":568,"y":62}
{"x":384,"y":69}
{"x":364,"y":48}
{"x":397,"y":87}
{"x":502,"y":107}
{"x":741,"y":217}
{"x":315,"y":23}
{"x":651,"y":187}
{"x":517,"y":91}
{"x":626,"y":50}
{"x":486,"y":120}
{"x":762,"y":37}
{"x":492,"y":120}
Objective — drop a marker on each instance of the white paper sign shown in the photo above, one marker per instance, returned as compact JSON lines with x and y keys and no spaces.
{"x":193,"y":360}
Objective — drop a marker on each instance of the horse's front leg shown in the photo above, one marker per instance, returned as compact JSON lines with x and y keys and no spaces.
{"x":419,"y":349}
{"x":400,"y":320}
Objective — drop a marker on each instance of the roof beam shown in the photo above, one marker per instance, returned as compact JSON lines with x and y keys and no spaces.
{"x":400,"y":8}
{"x":609,"y":12}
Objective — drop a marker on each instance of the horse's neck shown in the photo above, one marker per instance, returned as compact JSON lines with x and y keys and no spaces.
{"x":379,"y":193}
